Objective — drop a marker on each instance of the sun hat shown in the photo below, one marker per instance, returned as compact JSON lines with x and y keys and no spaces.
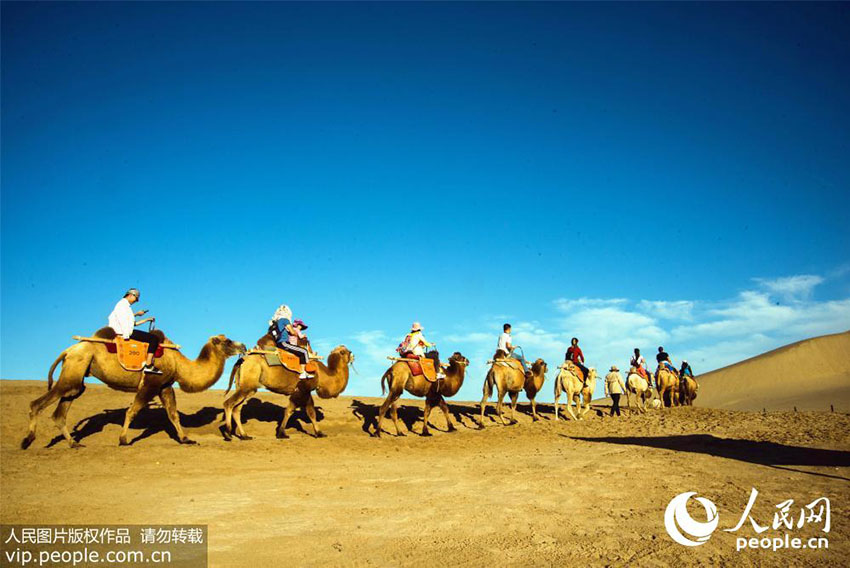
{"x":416,"y":326}
{"x":300,"y":324}
{"x":134,"y":291}
{"x":614,"y":368}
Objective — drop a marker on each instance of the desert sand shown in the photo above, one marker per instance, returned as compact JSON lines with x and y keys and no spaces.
{"x":545,"y":493}
{"x":813,"y":374}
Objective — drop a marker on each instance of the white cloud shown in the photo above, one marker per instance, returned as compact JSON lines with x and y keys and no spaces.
{"x":565,"y":304}
{"x":791,"y":288}
{"x":676,"y":310}
{"x":708,"y":334}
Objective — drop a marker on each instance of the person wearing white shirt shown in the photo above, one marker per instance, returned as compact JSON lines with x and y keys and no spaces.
{"x":638,"y":362}
{"x":505,"y":347}
{"x":123,"y":321}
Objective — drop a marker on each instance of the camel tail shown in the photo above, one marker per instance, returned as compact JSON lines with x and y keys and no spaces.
{"x":234,"y":374}
{"x":489,"y":382}
{"x":384,"y":380}
{"x":53,"y":368}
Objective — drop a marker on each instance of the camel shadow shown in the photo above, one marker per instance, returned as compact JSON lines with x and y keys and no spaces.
{"x":368,"y":413}
{"x":409,"y":415}
{"x":264,"y":411}
{"x":461,"y":411}
{"x":769,"y":454}
{"x":150,"y":420}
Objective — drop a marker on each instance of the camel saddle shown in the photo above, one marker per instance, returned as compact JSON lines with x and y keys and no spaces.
{"x":282,"y":358}
{"x":576,"y":370}
{"x":132,"y":353}
{"x":422,"y":366}
{"x":642,"y":372}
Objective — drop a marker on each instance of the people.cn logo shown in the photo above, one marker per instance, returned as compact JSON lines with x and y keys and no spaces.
{"x":677,"y":520}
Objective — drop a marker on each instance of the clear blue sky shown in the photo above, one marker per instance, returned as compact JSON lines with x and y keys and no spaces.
{"x":633,"y":174}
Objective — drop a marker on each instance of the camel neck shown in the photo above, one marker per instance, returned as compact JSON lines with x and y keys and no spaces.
{"x":199,"y":374}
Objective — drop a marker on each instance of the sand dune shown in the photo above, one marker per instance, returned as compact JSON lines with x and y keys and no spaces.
{"x":811,"y":375}
{"x":544,"y":493}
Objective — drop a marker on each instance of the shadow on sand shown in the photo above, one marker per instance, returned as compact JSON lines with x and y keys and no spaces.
{"x":409,"y":415}
{"x":769,"y":454}
{"x":151,"y":420}
{"x":264,"y":411}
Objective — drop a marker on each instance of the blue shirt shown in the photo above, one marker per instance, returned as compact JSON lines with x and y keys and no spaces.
{"x":281,"y":328}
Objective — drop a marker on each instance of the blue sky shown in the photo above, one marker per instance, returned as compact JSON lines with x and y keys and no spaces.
{"x":631,"y":174}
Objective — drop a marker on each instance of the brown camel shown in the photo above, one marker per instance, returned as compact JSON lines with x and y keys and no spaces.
{"x":400,"y":379}
{"x":568,"y":382}
{"x":667,"y":385}
{"x":254,"y":371}
{"x":509,"y":377}
{"x":638,"y":386}
{"x":688,"y":389}
{"x":88,"y":358}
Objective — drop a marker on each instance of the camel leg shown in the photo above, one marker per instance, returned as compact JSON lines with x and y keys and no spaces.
{"x":586,"y":404}
{"x":514,"y":397}
{"x":445,"y":408}
{"x":394,"y":415}
{"x":499,"y":407}
{"x":60,"y":389}
{"x":311,"y":414}
{"x":143,"y":396}
{"x":237,"y":417}
{"x":534,"y":415}
{"x":483,"y":408}
{"x":570,"y":401}
{"x":557,"y":396}
{"x":61,"y":413}
{"x":287,"y":414}
{"x":425,"y":431}
{"x":392,"y":396}
{"x":230,"y":403}
{"x":169,"y":403}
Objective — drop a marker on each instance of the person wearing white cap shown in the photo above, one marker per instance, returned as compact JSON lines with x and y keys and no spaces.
{"x":123,"y":321}
{"x":414,"y":345}
{"x":615,"y":388}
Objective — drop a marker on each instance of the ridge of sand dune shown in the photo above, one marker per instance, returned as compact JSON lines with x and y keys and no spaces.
{"x":811,"y":375}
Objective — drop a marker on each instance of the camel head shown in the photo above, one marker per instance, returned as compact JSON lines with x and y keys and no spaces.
{"x":539,"y":367}
{"x":226,"y":346}
{"x":591,"y":373}
{"x":340,"y":355}
{"x":458,"y":359}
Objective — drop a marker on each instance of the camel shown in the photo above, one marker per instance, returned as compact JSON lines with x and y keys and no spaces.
{"x":638,"y":386}
{"x":509,"y":377}
{"x":89,"y":358}
{"x":688,"y":389}
{"x":667,"y":385}
{"x":399,"y":378}
{"x":254,"y":371}
{"x":568,"y":382}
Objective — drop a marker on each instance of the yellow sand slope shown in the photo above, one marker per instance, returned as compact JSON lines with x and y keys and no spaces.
{"x":811,"y":374}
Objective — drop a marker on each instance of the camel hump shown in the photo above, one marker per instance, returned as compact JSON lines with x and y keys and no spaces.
{"x":105,"y":333}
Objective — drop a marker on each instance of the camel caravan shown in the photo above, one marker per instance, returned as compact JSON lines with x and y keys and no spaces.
{"x":148,"y":364}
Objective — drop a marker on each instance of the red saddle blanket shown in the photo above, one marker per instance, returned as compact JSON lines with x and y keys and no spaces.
{"x":576,"y":370}
{"x":422,"y":366}
{"x":113,"y":348}
{"x":642,"y":372}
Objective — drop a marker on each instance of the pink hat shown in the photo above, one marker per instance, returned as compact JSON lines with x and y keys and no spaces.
{"x":300,"y":324}
{"x":416,"y":326}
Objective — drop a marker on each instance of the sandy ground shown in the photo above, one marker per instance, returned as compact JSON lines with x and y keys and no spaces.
{"x":591,"y":492}
{"x":813,"y":374}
